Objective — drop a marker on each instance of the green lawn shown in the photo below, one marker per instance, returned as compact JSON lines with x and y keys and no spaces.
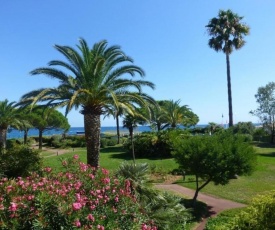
{"x":111,"y":158}
{"x":245,"y":188}
{"x":241,"y":190}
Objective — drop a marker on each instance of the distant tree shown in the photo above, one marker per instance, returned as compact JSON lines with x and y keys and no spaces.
{"x":9,"y":117}
{"x":28,"y":117}
{"x":116,"y":111}
{"x":131,"y":121}
{"x":174,"y":114}
{"x":212,"y":128}
{"x":265,"y":98}
{"x":189,"y":117}
{"x":45,"y":119}
{"x":95,"y":79}
{"x":244,"y":128}
{"x":227,"y":33}
{"x":216,"y":158}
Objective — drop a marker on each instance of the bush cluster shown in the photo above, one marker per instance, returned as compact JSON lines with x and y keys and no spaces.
{"x":155,"y":144}
{"x":259,"y":215}
{"x":166,"y":210}
{"x":57,"y":141}
{"x":79,"y":197}
{"x":19,"y":161}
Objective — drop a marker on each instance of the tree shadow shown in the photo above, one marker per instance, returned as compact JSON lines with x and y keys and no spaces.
{"x":267,"y":154}
{"x":113,"y":149}
{"x":264,"y":145}
{"x":199,"y":211}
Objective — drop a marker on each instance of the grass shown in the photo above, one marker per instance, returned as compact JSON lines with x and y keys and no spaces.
{"x":245,"y":188}
{"x":111,"y":158}
{"x":240,"y":190}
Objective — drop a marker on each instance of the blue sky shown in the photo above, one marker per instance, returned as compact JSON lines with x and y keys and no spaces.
{"x":167,"y":39}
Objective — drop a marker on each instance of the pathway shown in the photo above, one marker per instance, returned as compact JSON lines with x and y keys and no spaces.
{"x":215,"y":205}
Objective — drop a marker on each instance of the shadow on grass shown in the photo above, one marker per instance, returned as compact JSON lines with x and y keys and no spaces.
{"x":199,"y":211}
{"x":113,"y":149}
{"x":267,"y":154}
{"x":264,"y":144}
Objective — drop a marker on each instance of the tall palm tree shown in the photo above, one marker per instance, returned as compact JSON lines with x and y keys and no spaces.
{"x":95,"y":83}
{"x":9,"y":117}
{"x":227,"y":33}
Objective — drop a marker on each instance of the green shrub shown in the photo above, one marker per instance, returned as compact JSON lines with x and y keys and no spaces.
{"x":223,"y":220}
{"x":107,"y":141}
{"x":111,"y":142}
{"x":164,"y":209}
{"x":19,"y":161}
{"x":13,"y":143}
{"x":155,"y":144}
{"x":258,"y":216}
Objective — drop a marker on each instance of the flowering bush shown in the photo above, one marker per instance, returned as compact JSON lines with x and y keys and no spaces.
{"x":79,"y":197}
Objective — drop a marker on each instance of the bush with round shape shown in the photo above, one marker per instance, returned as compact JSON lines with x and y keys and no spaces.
{"x":257,"y":216}
{"x":20,"y":161}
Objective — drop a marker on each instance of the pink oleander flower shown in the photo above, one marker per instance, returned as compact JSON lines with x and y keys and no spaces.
{"x":47,"y":169}
{"x":106,"y":180}
{"x":100,"y":227}
{"x":76,"y":206}
{"x":92,"y":176}
{"x":105,"y":171}
{"x":76,"y":157}
{"x":77,"y":223}
{"x":91,"y":217}
{"x":9,"y":188}
{"x":13,"y":207}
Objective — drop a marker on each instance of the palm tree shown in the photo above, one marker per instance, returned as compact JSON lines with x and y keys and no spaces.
{"x":227,"y":33}
{"x":173,"y":113}
{"x":95,"y":83}
{"x":9,"y":117}
{"x":131,"y":121}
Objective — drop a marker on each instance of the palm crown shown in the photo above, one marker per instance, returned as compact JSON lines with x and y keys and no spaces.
{"x":98,"y":80}
{"x":227,"y":32}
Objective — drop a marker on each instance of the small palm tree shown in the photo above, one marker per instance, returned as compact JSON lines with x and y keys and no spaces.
{"x":227,"y":33}
{"x":98,"y":79}
{"x":9,"y":117}
{"x":174,"y":113}
{"x":130,"y":122}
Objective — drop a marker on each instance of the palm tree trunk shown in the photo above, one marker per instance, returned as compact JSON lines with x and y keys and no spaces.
{"x":40,"y":139}
{"x":25,"y":136}
{"x":3,"y":137}
{"x":229,"y":91}
{"x":117,"y":129}
{"x":131,"y":131}
{"x":92,"y":135}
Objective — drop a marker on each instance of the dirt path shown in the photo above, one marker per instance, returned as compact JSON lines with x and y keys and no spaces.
{"x":56,"y":152}
{"x":215,"y":205}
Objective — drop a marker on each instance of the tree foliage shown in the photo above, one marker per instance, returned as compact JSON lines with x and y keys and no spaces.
{"x":265,"y":98}
{"x":95,"y":80}
{"x":244,"y":128}
{"x":169,"y":113}
{"x":45,"y":119}
{"x":216,"y":158}
{"x":10,"y":117}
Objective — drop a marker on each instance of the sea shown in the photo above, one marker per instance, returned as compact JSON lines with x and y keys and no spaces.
{"x":14,"y":134}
